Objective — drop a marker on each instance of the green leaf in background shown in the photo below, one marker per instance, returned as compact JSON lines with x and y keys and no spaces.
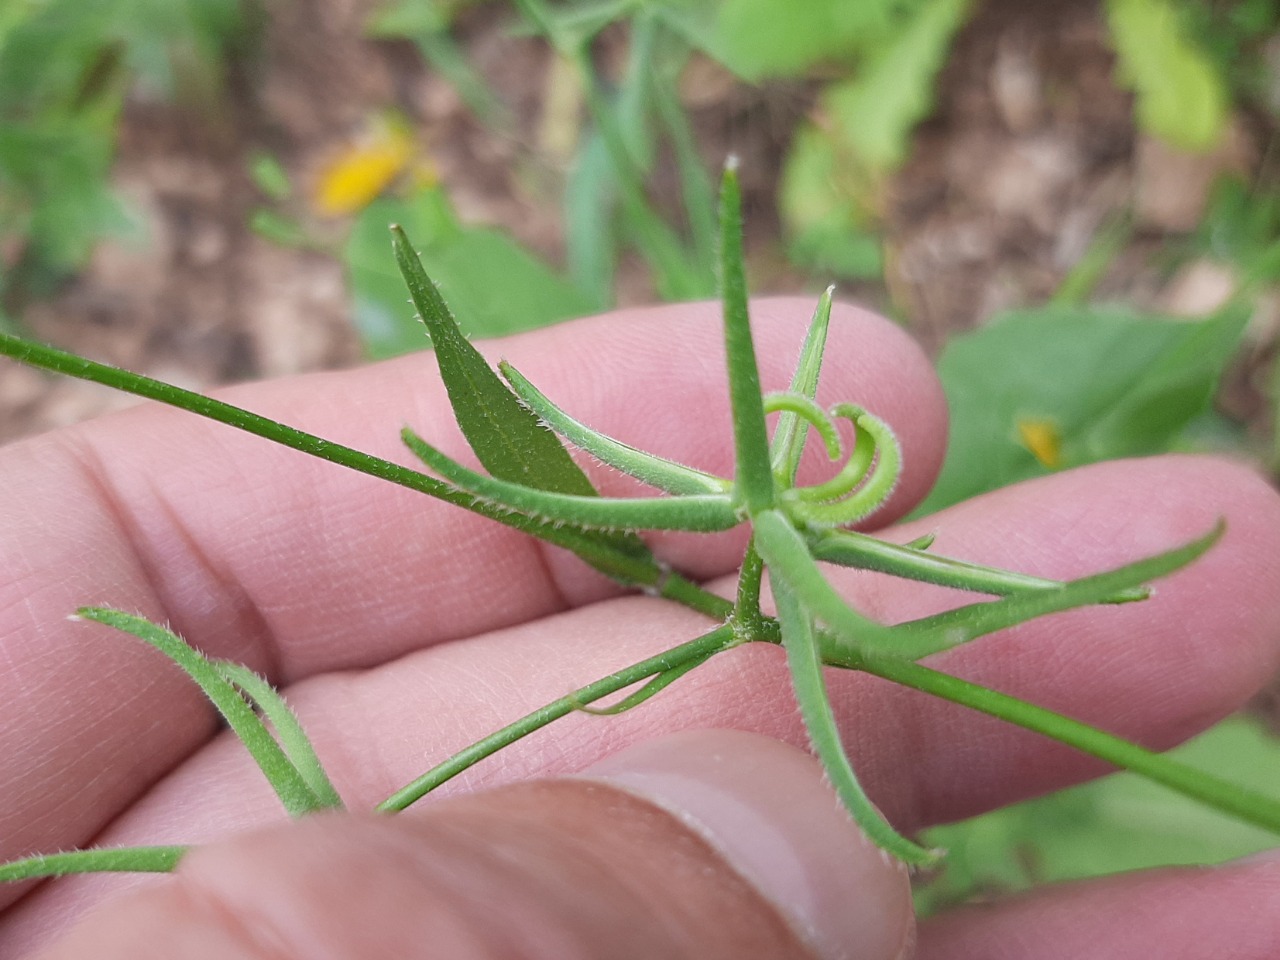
{"x":1181,"y":97}
{"x":781,"y":38}
{"x":1062,"y":387}
{"x":824,"y":205}
{"x":426,"y":24}
{"x":493,"y":283}
{"x":1119,"y":823}
{"x":874,"y":112}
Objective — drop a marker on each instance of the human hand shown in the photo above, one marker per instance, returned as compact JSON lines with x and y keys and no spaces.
{"x":403,"y":629}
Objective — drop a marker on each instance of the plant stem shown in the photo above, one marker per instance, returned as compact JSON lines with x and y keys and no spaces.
{"x":1240,"y":802}
{"x":120,"y":860}
{"x":623,"y":566}
{"x":701,"y":648}
{"x":746,"y":607}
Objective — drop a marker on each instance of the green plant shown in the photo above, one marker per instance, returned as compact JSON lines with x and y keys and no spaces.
{"x":534,"y":486}
{"x":66,"y":69}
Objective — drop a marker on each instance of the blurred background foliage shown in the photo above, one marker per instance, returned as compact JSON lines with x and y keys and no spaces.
{"x":622,"y":95}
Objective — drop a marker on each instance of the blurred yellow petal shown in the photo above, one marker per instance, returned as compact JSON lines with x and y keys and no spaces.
{"x":1043,"y":439}
{"x":357,"y":175}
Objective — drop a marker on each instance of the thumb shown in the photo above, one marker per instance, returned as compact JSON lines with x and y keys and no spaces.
{"x":704,"y":844}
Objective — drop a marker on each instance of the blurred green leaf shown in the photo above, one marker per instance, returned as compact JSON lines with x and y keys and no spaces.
{"x":1181,"y":97}
{"x":65,"y":69}
{"x":270,"y":176}
{"x":874,"y":112}
{"x":1242,"y":228}
{"x":1116,"y":824}
{"x":781,"y":38}
{"x":426,"y":23}
{"x":279,"y":229}
{"x":493,"y":283}
{"x":1110,"y":382}
{"x":823,"y":205}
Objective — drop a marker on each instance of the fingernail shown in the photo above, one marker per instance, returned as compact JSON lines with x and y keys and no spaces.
{"x":767,"y":809}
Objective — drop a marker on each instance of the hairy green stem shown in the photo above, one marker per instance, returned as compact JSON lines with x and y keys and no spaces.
{"x":699,"y":649}
{"x":746,"y":606}
{"x":623,"y":566}
{"x":704,"y":513}
{"x":1241,"y":802}
{"x":105,"y":860}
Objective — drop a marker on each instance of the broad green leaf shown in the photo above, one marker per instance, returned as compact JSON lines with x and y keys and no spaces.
{"x":1181,"y":97}
{"x":875,"y":111}
{"x":1111,"y":383}
{"x":495,"y":285}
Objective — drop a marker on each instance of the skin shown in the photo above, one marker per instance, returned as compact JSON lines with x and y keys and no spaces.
{"x":402,"y":629}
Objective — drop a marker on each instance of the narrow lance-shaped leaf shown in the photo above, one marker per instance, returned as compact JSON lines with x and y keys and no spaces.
{"x":851,"y":549}
{"x":654,"y":470}
{"x":753,"y":475}
{"x":919,"y":638}
{"x":293,"y":739}
{"x":650,"y":689}
{"x":703,"y":514}
{"x":290,"y":786}
{"x":789,"y":436}
{"x":1241,"y":802}
{"x":505,"y":435}
{"x":699,"y":649}
{"x":815,"y":708}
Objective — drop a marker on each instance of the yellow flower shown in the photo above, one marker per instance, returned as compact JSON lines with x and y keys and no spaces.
{"x":1043,"y":439}
{"x":355,"y":177}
